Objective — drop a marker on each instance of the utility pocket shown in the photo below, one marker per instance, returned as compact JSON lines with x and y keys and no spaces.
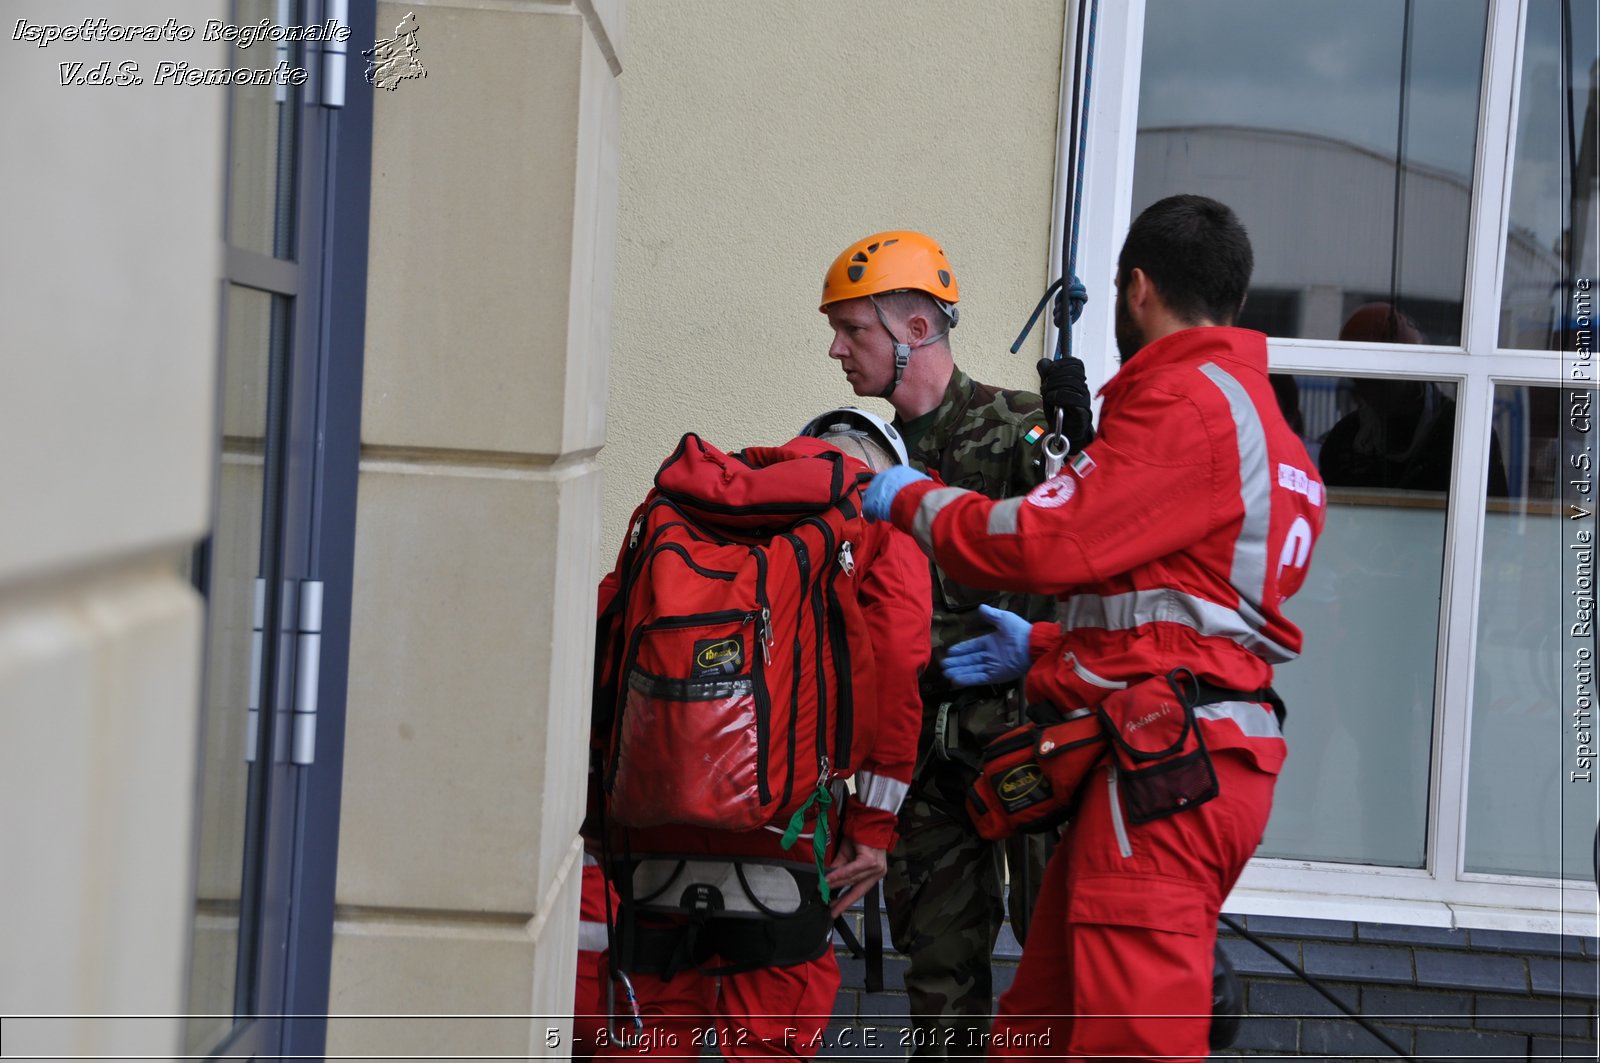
{"x":689,"y":748}
{"x":1012,"y":794}
{"x":1162,"y":761}
{"x":1069,"y":750}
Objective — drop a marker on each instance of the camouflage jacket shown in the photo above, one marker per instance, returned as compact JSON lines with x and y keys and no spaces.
{"x":986,"y":439}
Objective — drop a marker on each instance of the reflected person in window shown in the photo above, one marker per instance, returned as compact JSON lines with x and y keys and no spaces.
{"x":1401,"y":433}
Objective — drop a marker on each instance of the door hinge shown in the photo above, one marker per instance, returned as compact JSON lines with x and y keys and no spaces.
{"x":252,"y":723}
{"x":335,"y":53}
{"x":307,"y":672}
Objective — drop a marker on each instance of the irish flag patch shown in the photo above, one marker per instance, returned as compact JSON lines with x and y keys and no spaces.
{"x":1035,"y":434}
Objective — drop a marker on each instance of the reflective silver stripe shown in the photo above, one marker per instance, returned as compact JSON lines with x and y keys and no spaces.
{"x":880,"y":791}
{"x":1252,"y":719}
{"x":928,"y":511}
{"x":1117,"y":826}
{"x":592,"y":937}
{"x":1003,"y":517}
{"x":1089,"y":677}
{"x":1249,"y":574}
{"x":1124,"y":612}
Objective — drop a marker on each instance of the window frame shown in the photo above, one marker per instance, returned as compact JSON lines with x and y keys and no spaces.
{"x":1442,"y":893}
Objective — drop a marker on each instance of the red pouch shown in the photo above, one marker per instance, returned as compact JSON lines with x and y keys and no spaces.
{"x":1012,"y":793}
{"x":1162,"y":763}
{"x":1069,"y":750}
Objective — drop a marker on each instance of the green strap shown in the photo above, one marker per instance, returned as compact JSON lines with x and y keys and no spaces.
{"x":822,"y":798}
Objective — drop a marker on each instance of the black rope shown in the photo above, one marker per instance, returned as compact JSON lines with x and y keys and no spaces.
{"x":1314,"y":984}
{"x":1392,"y":332}
{"x":1068,"y":230}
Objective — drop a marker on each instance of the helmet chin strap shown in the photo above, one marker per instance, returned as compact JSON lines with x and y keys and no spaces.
{"x":902,"y":351}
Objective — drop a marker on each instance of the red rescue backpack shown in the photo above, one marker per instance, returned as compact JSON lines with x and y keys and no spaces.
{"x":733,"y":674}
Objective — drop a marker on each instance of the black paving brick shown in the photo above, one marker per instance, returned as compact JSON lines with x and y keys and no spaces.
{"x":1551,"y":1048}
{"x":1529,"y":1015}
{"x":884,"y":1009}
{"x":1365,"y":963}
{"x":1395,"y":934}
{"x":1427,"y":1008}
{"x":1568,"y":978}
{"x":1455,"y":1045}
{"x":1471,"y":970}
{"x":1348,"y":1038}
{"x":1003,"y":975}
{"x":1268,"y":1034}
{"x":1526,"y":944}
{"x":1305,"y":929}
{"x":1248,"y":959}
{"x":1296,"y":999}
{"x":854,"y":972}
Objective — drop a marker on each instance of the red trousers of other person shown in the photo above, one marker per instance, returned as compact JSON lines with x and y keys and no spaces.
{"x":771,"y":1012}
{"x":1119,"y":955}
{"x":589,"y":999}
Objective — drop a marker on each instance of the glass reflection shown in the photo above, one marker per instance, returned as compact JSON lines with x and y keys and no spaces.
{"x":257,"y":324}
{"x":263,"y":122}
{"x":1554,"y":229}
{"x":1343,"y":134}
{"x":1361,"y":696}
{"x":1523,"y":817}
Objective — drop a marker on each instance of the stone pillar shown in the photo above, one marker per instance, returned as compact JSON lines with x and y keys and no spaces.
{"x":109,"y":300}
{"x":489,"y":300}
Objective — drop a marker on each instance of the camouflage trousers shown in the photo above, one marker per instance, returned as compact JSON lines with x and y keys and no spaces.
{"x":946,"y":900}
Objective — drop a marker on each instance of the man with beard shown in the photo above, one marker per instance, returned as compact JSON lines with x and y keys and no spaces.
{"x":1171,"y":543}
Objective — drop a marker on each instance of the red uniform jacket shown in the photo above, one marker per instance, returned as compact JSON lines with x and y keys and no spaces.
{"x":1172,"y":541}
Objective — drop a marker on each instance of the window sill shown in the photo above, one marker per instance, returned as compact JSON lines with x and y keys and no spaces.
{"x":1578,"y":919}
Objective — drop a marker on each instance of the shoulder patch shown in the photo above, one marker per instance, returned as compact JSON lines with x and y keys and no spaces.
{"x":1053,"y":493}
{"x":1034,"y":434}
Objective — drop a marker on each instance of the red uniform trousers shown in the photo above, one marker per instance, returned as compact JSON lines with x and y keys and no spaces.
{"x":771,"y":1012}
{"x":1119,"y":955}
{"x":589,"y":999}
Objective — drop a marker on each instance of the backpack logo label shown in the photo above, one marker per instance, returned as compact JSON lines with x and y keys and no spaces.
{"x":1022,"y":786}
{"x":718,"y":656}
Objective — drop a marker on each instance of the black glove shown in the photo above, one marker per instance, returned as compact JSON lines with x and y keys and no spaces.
{"x":1064,"y":387}
{"x":1074,"y":295}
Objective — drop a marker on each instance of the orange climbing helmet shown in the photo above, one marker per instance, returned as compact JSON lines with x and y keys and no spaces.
{"x":892,"y":262}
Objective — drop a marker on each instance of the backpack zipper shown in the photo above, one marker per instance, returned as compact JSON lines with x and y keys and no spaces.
{"x":802,"y":555}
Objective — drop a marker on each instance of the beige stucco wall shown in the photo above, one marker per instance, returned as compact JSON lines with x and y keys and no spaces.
{"x":758,"y":139}
{"x":109,"y":299}
{"x":489,"y":302}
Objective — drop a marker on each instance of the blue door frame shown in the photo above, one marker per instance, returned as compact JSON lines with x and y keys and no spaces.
{"x":311,"y":459}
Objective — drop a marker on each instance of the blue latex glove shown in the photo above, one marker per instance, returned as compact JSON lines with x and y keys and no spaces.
{"x":880,"y":492}
{"x":998,"y":657}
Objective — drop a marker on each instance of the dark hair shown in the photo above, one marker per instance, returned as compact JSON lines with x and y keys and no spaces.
{"x":1196,"y":253}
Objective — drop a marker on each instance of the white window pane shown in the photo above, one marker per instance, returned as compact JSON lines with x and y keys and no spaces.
{"x":1555,"y":199}
{"x":1361,"y":698}
{"x":1330,"y":129}
{"x":1525,"y":816}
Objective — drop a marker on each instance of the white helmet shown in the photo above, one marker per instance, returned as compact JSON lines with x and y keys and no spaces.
{"x":863,"y":425}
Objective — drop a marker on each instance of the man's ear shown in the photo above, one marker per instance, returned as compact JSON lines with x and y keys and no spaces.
{"x":917,"y":328}
{"x":1139,"y":289}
